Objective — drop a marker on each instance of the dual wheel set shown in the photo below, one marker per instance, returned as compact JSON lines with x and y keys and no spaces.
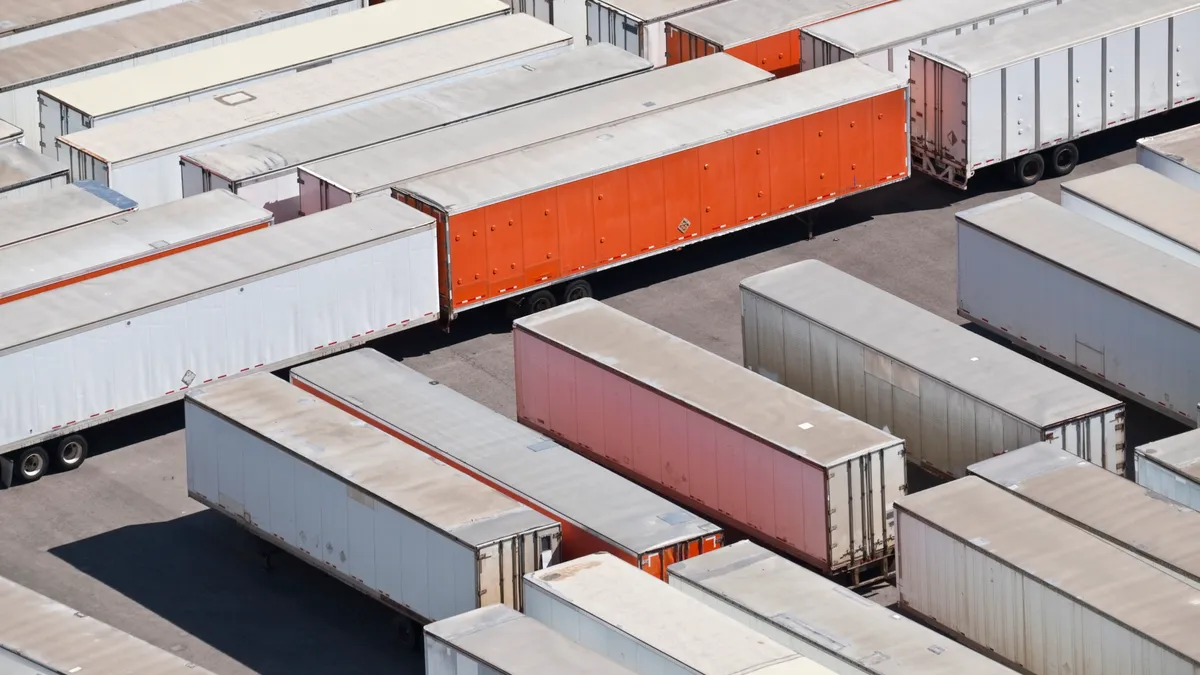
{"x":1057,"y":161}
{"x":541,"y":300}
{"x":67,"y":454}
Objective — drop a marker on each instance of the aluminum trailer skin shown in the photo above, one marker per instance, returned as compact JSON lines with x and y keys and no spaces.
{"x":263,"y":170}
{"x":649,"y":627}
{"x":356,"y":503}
{"x":819,"y":619}
{"x":1110,"y":507}
{"x":1175,"y":155}
{"x":174,"y":29}
{"x":26,"y":21}
{"x":1036,"y":592}
{"x":104,"y":348}
{"x":725,"y":442}
{"x":1082,"y":296}
{"x":497,"y":640}
{"x":1171,"y":468}
{"x":1023,"y":92}
{"x":602,"y":198}
{"x":39,"y":636}
{"x":26,"y":174}
{"x":71,"y":205}
{"x":140,"y":157}
{"x":954,"y":397}
{"x":599,"y":510}
{"x":74,"y":254}
{"x":106,"y":99}
{"x":374,"y":171}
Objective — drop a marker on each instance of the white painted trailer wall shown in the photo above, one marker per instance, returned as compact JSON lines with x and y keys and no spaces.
{"x":1078,"y":294}
{"x":26,"y":174}
{"x":59,"y":209}
{"x":1171,"y":468}
{"x":25,"y":21}
{"x":1175,"y":155}
{"x":637,"y":26}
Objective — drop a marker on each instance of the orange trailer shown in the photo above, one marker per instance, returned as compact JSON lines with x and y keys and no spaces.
{"x":548,"y":214}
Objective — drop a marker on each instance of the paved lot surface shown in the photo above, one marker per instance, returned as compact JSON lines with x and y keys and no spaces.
{"x":120,"y":540}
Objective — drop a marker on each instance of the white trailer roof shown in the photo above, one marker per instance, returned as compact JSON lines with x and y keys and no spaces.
{"x":66,"y":641}
{"x":928,"y":343}
{"x":21,"y":165}
{"x":1181,"y":145}
{"x":378,"y":168}
{"x":1051,"y":30}
{"x":656,"y":10}
{"x":859,"y":631}
{"x":377,"y":72}
{"x":17,"y":16}
{"x":647,"y":137}
{"x":181,"y":23}
{"x":695,"y":377}
{"x":361,"y":455}
{"x":585,"y":493}
{"x":740,"y":21}
{"x":270,"y":52}
{"x":1182,"y":452}
{"x":1064,"y":557}
{"x":66,"y":206}
{"x":1109,"y":258}
{"x":514,"y":644}
{"x":203,"y":270}
{"x":78,"y":251}
{"x":433,"y":106}
{"x":1146,"y":198}
{"x":10,"y":132}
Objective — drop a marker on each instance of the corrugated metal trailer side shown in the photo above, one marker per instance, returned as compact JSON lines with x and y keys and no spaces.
{"x":1080,"y":295}
{"x":1009,"y":92}
{"x":42,"y":634}
{"x":638,"y":26}
{"x":731,"y":444}
{"x":497,"y":640}
{"x":78,"y":203}
{"x":358,"y":504}
{"x":1175,"y":155}
{"x":819,"y":619}
{"x":599,"y":510}
{"x":82,"y":355}
{"x":25,"y":173}
{"x":177,"y":28}
{"x":1037,"y":592}
{"x":1171,"y":467}
{"x":649,"y":627}
{"x":1108,"y":506}
{"x":954,"y":397}
{"x":26,"y":21}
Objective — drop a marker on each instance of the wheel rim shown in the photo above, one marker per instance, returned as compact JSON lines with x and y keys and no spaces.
{"x":576,"y":294}
{"x":1065,"y":159}
{"x":33,"y":465}
{"x":541,"y":304}
{"x":1030,"y":170}
{"x":72,"y":452}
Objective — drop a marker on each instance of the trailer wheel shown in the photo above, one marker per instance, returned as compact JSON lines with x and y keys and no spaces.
{"x":71,"y":452}
{"x":540,"y":301}
{"x":1028,"y":170}
{"x":576,"y":290}
{"x":408,"y":633}
{"x":1063,"y":159}
{"x":32,"y":464}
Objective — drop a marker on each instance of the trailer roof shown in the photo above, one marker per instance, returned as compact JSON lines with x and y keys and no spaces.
{"x":10,"y":132}
{"x":378,"y":168}
{"x":63,"y":311}
{"x":1181,"y":452}
{"x":66,"y":641}
{"x":928,"y":343}
{"x":181,"y":23}
{"x":381,"y":71}
{"x":357,"y":453}
{"x":1089,"y":249}
{"x":1145,"y":197}
{"x":1051,"y":30}
{"x":514,"y":644}
{"x":22,"y":15}
{"x":808,"y":605}
{"x":279,"y":50}
{"x":696,"y":377}
{"x":1064,"y":557}
{"x":647,"y":137}
{"x":80,"y":202}
{"x":431,"y":107}
{"x":587,"y":494}
{"x":665,"y":619}
{"x":656,"y":10}
{"x":740,"y":21}
{"x":21,"y":165}
{"x":1181,"y":145}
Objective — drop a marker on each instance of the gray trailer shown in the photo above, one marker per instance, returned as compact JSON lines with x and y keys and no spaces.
{"x":1175,"y":155}
{"x":1171,"y":467}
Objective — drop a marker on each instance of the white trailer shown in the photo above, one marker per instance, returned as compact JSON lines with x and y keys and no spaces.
{"x":357,"y":504}
{"x":819,"y":619}
{"x":954,"y":397}
{"x":177,"y":28}
{"x":24,"y":173}
{"x":1024,"y":92}
{"x":649,"y":627}
{"x":9,"y":134}
{"x":1035,"y":592}
{"x":101,"y":349}
{"x":263,"y":170}
{"x":1073,"y":292}
{"x":1175,"y":155}
{"x":140,"y":157}
{"x":1171,"y":467}
{"x":41,"y":636}
{"x":497,"y":640}
{"x":26,"y":21}
{"x":638,"y":26}
{"x":373,"y":171}
{"x":30,"y":217}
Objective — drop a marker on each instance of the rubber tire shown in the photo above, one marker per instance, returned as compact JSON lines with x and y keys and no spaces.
{"x":1062,"y":159}
{"x":577,"y":289}
{"x":408,"y":634}
{"x":1028,"y":169}
{"x":539,"y":301}
{"x":64,"y":445}
{"x":27,"y":455}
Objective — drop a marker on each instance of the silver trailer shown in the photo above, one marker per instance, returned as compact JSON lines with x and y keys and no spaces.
{"x":1078,"y":294}
{"x":1110,"y":507}
{"x":26,"y":21}
{"x":1035,"y":592}
{"x":954,"y":397}
{"x":819,"y":619}
{"x":357,"y":504}
{"x":1171,"y":468}
{"x":1175,"y":155}
{"x":59,"y":209}
{"x":101,"y":349}
{"x":496,"y":640}
{"x":26,"y":174}
{"x":1023,"y":92}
